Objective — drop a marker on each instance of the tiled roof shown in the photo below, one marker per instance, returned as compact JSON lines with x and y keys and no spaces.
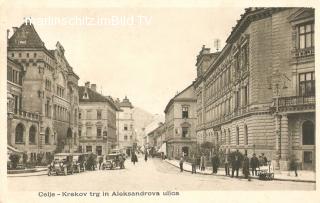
{"x":26,"y":36}
{"x":93,"y":96}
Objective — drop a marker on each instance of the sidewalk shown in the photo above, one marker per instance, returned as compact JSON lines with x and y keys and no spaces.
{"x":38,"y":172}
{"x":303,"y":176}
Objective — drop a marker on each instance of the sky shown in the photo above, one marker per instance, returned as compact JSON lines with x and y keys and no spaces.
{"x":148,"y":62}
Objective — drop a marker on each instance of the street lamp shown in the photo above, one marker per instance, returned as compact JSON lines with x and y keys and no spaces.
{"x":280,"y":83}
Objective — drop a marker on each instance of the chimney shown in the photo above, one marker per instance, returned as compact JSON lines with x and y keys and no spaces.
{"x":87,"y":84}
{"x":94,"y":87}
{"x":14,"y":29}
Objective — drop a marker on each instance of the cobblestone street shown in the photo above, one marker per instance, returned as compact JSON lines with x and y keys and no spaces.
{"x":152,"y":175}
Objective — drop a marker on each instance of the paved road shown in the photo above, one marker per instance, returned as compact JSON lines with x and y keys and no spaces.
{"x":152,"y":175}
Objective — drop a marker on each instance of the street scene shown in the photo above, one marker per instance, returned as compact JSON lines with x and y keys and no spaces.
{"x":231,"y":106}
{"x":153,"y":175}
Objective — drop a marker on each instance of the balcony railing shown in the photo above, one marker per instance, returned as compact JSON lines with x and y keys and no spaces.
{"x":303,"y":52}
{"x":296,"y":100}
{"x":27,"y":115}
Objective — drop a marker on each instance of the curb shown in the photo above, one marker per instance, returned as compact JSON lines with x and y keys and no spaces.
{"x":36,"y":173}
{"x":278,"y":179}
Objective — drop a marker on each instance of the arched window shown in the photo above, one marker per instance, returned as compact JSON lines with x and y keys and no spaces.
{"x":46,"y":136}
{"x":237,"y":136}
{"x":32,"y":135}
{"x":229,"y":137}
{"x":245,"y":134}
{"x":225,"y":137}
{"x":19,"y":133}
{"x":308,"y":137}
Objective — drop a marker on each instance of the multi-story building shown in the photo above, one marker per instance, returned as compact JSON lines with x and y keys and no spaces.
{"x":180,"y":122}
{"x":45,"y":95}
{"x":156,"y":138}
{"x":257,"y":94}
{"x":125,"y":126}
{"x":97,"y":121}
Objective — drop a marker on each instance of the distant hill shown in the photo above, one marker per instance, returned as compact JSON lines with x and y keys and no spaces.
{"x":142,"y":119}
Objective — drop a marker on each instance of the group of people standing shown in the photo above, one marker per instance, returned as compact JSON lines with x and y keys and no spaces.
{"x":235,"y":161}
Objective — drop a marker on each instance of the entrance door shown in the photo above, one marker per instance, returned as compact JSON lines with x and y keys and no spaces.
{"x":308,"y":160}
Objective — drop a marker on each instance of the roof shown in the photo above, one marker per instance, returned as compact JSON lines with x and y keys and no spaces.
{"x":125,"y":103}
{"x":94,"y":96}
{"x":27,"y":37}
{"x":171,"y":100}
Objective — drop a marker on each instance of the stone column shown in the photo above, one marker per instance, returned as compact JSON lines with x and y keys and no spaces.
{"x":284,"y":143}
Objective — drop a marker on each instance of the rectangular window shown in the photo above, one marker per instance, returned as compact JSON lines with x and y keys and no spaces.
{"x":99,"y":150}
{"x":98,"y":132}
{"x":185,"y":131}
{"x":245,"y":95}
{"x":237,"y":136}
{"x":185,"y":112}
{"x":79,"y":115}
{"x":306,"y":36}
{"x":88,"y":148}
{"x":125,"y":127}
{"x":9,"y":73}
{"x":307,"y":157}
{"x":79,"y":132}
{"x":307,"y":84}
{"x":125,"y":137}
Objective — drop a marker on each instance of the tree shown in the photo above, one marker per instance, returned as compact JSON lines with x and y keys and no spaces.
{"x":14,"y":158}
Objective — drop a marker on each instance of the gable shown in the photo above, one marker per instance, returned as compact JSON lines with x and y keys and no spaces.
{"x":26,"y":36}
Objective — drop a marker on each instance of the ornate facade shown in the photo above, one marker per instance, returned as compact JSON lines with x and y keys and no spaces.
{"x":257,"y":94}
{"x":45,"y":95}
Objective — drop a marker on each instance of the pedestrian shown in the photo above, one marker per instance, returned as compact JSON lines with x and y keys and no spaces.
{"x":254,"y":163}
{"x":265,"y":160}
{"x":294,"y":165}
{"x":227,"y":165}
{"x":181,"y":163}
{"x":261,"y":161}
{"x":193,"y":164}
{"x":134,"y":158}
{"x":202,"y":162}
{"x":215,"y":163}
{"x":235,"y":165}
{"x":146,"y":156}
{"x":245,"y":167}
{"x":198,"y":161}
{"x":100,"y":162}
{"x":121,"y":161}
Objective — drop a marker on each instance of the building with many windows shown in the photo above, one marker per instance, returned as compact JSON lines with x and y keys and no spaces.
{"x":45,"y":97}
{"x":125,"y":126}
{"x":180,"y":122}
{"x":257,"y":94}
{"x":97,"y":121}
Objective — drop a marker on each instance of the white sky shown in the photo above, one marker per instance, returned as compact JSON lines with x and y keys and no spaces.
{"x":148,"y":63}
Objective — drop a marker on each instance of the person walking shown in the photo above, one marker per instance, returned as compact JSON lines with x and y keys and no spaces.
{"x":198,"y":160}
{"x":245,"y":167}
{"x":146,"y":156}
{"x":254,"y":163}
{"x":181,"y":163}
{"x":294,"y":165}
{"x":215,"y":163}
{"x":264,"y":158}
{"x":235,"y":165}
{"x":134,"y":158}
{"x":193,"y":165}
{"x":202,"y":162}
{"x":227,"y":165}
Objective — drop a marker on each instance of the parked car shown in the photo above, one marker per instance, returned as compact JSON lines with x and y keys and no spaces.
{"x":62,"y":164}
{"x":114,"y":161}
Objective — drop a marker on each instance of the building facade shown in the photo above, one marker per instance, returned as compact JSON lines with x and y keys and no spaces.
{"x":125,"y":126}
{"x":257,"y":94}
{"x":45,"y":95}
{"x":97,"y":121}
{"x":180,"y":122}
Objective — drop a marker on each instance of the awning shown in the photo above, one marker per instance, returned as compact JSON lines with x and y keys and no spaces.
{"x":12,"y":149}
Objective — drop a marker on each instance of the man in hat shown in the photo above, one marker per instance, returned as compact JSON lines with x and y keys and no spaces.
{"x":254,"y":163}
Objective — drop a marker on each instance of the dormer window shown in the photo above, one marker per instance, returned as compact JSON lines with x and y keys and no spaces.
{"x":85,"y":95}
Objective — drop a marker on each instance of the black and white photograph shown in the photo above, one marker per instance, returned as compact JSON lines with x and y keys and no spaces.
{"x":119,"y":101}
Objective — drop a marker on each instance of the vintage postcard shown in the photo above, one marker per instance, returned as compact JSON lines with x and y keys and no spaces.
{"x":179,"y":101}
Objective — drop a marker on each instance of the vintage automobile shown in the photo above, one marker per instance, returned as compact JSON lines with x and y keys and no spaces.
{"x":76,"y":163}
{"x":114,"y":161}
{"x":62,"y":164}
{"x":82,"y":160}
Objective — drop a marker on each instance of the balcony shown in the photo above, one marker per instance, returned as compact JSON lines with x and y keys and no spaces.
{"x":26,"y":115}
{"x":295,"y":103}
{"x":303,"y":52}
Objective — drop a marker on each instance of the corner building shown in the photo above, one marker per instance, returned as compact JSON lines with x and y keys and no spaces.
{"x":45,"y":92}
{"x":258,"y":94}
